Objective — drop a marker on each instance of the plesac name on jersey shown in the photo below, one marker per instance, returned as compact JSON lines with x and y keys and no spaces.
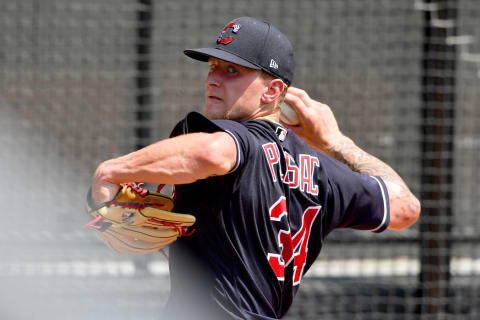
{"x":300,"y":176}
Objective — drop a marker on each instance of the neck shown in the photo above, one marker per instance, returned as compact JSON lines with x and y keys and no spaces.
{"x":267,"y":112}
{"x":274,"y":117}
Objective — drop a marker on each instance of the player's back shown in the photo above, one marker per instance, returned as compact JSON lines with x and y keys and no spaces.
{"x":259,"y":228}
{"x":237,"y":234}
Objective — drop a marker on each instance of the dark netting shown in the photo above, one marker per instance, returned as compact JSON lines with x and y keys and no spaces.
{"x":82,"y":81}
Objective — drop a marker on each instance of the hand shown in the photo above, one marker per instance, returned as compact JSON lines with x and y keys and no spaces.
{"x":102,"y":190}
{"x":319,"y":129}
{"x":318,"y":126}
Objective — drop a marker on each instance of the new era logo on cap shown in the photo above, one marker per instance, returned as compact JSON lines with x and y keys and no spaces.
{"x":254,"y":44}
{"x":273,"y":64}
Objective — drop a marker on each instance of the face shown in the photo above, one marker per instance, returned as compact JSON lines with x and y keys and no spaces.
{"x":232,"y":92}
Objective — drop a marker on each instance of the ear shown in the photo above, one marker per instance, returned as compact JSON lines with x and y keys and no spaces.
{"x":273,"y":90}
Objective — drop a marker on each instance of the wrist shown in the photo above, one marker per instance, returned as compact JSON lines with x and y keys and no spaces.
{"x":346,"y":151}
{"x":338,"y":145}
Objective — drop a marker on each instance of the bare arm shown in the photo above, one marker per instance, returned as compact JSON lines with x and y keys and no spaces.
{"x":179,"y":160}
{"x":319,"y":128}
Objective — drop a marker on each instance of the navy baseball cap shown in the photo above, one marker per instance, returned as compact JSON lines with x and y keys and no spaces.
{"x":254,"y":44}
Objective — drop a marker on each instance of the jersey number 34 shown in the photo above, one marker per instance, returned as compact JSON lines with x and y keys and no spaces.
{"x":293,"y":248}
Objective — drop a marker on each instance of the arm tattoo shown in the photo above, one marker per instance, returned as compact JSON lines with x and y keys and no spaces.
{"x":402,"y":202}
{"x":360,"y":161}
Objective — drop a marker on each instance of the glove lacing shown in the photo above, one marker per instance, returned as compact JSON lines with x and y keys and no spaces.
{"x":99,"y":224}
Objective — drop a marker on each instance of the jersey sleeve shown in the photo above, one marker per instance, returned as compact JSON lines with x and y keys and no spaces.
{"x":196,"y":122}
{"x":356,"y":201}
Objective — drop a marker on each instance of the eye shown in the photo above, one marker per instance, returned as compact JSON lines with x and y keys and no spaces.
{"x":212,"y":66}
{"x":232,"y":70}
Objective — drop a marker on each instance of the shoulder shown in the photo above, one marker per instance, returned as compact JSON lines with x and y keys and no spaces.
{"x":195,"y":122}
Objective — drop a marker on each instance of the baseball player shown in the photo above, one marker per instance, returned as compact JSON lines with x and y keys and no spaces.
{"x":265,"y":195}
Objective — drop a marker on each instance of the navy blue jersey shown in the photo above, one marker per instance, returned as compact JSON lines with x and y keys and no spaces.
{"x":260,"y":227}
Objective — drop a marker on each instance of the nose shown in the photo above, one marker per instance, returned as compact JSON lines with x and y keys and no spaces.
{"x":213,"y":78}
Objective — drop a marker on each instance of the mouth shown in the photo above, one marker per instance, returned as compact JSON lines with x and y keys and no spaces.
{"x":214,"y":98}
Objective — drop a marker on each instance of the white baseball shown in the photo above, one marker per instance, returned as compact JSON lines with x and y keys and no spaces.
{"x":288,"y":115}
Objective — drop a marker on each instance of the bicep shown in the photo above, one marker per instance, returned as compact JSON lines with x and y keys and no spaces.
{"x":222,"y":153}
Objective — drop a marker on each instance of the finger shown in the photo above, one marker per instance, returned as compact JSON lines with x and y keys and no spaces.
{"x":294,"y":90}
{"x":298,"y":130}
{"x":286,"y":125}
{"x":302,"y":94}
{"x":103,"y":191}
{"x":294,"y":101}
{"x":298,"y":106}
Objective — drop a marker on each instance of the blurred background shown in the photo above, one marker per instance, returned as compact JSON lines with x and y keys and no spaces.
{"x":82,"y":81}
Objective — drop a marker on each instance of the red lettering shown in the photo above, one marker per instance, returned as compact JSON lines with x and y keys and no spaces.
{"x":289,"y":245}
{"x":273,"y":156}
{"x":307,"y":167}
{"x":291,"y":176}
{"x":305,"y":176}
{"x":301,"y":176}
{"x":279,"y":209}
{"x":285,"y":244}
{"x":313,"y":188}
{"x":277,"y":264}
{"x":277,"y":261}
{"x":301,"y":239}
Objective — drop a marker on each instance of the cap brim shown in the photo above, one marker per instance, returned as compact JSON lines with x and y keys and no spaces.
{"x":202,"y":54}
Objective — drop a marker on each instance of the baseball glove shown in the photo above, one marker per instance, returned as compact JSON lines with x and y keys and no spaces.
{"x":138,"y":221}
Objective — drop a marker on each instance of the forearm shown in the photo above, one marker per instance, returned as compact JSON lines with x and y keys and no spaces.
{"x":179,"y":160}
{"x":404,"y":206}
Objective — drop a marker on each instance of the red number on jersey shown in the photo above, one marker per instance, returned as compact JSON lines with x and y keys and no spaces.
{"x":292,"y":248}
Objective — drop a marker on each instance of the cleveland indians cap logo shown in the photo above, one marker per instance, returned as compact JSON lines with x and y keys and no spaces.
{"x":221,"y":37}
